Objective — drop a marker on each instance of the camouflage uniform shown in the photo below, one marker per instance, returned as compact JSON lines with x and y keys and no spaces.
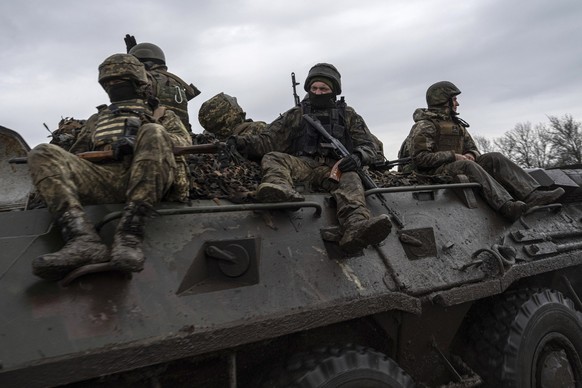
{"x":223,"y":117}
{"x":438,"y":135}
{"x":293,"y":153}
{"x":146,"y":172}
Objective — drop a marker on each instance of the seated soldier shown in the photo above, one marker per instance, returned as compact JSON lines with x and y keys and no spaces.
{"x":292,"y":150}
{"x":144,"y":171}
{"x":440,"y":144}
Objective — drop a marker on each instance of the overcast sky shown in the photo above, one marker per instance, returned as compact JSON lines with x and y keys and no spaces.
{"x":514,"y":61}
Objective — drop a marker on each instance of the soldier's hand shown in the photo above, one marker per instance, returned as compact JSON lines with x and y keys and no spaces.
{"x":351,"y":162}
{"x":469,"y":156}
{"x":236,"y":143}
{"x":460,"y":157}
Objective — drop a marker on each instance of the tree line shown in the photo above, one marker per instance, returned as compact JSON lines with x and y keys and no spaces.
{"x":545,"y":145}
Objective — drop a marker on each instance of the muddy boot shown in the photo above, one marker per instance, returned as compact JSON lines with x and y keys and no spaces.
{"x":543,"y":197}
{"x":368,"y":232}
{"x":270,"y":192}
{"x":83,"y":246}
{"x":126,"y":251}
{"x":512,"y":210}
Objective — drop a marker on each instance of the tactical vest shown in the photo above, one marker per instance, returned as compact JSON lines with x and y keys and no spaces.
{"x":450,"y":136}
{"x":333,"y":120}
{"x":173,"y":92}
{"x":118,"y":120}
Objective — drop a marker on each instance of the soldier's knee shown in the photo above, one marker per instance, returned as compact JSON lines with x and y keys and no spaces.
{"x":42,"y":152}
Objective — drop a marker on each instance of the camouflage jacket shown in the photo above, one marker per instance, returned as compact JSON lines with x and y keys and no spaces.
{"x":169,"y":120}
{"x":281,"y":134}
{"x":425,"y":142}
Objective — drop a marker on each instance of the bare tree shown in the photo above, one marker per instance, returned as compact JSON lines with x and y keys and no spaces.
{"x":565,"y":138}
{"x":526,"y":146}
{"x":483,"y":144}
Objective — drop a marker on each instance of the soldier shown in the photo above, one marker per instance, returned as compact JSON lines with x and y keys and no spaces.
{"x":440,"y":144}
{"x":144,"y":171}
{"x":170,"y":89}
{"x":223,"y":117}
{"x":294,"y":151}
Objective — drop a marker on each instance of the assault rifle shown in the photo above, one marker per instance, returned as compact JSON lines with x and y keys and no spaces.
{"x":342,"y":152}
{"x":293,"y":85}
{"x":109,"y":155}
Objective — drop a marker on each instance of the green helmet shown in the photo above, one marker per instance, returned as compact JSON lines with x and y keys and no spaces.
{"x":123,"y":66}
{"x":324,"y":70}
{"x":220,"y":115}
{"x":148,"y":51}
{"x":441,"y":93}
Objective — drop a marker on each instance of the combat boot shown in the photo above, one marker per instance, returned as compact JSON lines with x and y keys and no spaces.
{"x":359,"y":235}
{"x":512,"y":210}
{"x":126,"y":251}
{"x":82,"y":246}
{"x":270,"y":192}
{"x":543,"y":197}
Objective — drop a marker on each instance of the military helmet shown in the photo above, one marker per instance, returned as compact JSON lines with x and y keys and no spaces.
{"x":123,"y":66}
{"x":324,"y":70}
{"x":148,"y":51}
{"x":220,"y":115}
{"x":440,"y":93}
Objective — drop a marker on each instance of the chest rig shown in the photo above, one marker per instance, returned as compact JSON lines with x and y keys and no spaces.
{"x":450,"y":136}
{"x":118,"y":120}
{"x":311,"y":143}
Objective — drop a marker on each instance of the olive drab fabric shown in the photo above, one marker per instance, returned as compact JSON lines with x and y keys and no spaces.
{"x":222,"y":116}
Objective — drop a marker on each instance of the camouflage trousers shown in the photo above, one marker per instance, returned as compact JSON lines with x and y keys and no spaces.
{"x":284,"y":169}
{"x":501,"y":180}
{"x":65,"y":181}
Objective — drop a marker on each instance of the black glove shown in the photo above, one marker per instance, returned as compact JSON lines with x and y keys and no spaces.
{"x":236,"y":143}
{"x":351,"y":162}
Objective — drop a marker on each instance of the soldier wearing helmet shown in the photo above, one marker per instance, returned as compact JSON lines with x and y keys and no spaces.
{"x":223,"y":117}
{"x":144,"y":170}
{"x":440,"y":144}
{"x":170,"y":89}
{"x":293,"y":151}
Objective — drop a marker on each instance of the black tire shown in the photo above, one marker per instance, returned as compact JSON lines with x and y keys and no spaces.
{"x":345,"y":367}
{"x":529,"y":339}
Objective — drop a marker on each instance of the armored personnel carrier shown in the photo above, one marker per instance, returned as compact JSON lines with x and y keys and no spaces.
{"x":242,"y":294}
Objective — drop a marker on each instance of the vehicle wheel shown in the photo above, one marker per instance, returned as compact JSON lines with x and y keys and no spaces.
{"x":346,"y":367}
{"x":529,"y":339}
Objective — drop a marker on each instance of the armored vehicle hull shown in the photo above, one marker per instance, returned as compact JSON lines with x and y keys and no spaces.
{"x":251,"y":295}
